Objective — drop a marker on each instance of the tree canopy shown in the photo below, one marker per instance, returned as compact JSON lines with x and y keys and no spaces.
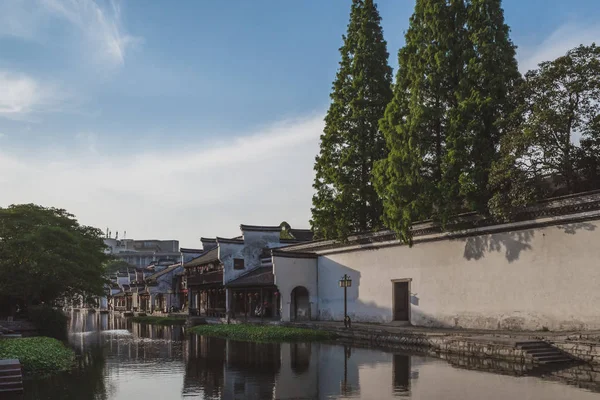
{"x":345,"y":200}
{"x":555,"y":134}
{"x":453,"y":90}
{"x":46,"y":254}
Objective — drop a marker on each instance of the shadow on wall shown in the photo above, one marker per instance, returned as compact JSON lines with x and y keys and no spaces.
{"x":572,"y":229}
{"x":513,"y":244}
{"x":331,"y":302}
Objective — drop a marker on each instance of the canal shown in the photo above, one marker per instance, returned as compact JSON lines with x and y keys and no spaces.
{"x":121,"y":360}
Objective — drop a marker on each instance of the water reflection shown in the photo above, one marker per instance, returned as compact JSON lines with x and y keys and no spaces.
{"x":119,"y":359}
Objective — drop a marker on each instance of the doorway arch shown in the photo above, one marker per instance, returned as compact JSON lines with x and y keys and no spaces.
{"x":300,"y":306}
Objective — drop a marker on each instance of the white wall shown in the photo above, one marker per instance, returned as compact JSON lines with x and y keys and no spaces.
{"x":293,"y":272}
{"x":528,"y":279}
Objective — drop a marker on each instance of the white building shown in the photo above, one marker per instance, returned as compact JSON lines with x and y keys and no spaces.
{"x":540,"y":272}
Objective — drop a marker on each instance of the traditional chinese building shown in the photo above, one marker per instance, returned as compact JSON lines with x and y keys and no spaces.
{"x":235,"y":276}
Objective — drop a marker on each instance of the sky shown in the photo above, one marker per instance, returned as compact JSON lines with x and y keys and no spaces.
{"x":176,"y":120}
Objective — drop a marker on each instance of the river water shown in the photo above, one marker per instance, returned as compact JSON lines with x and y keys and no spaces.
{"x":121,"y":360}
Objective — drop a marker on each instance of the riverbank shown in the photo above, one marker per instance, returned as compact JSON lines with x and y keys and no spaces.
{"x":160,"y":320}
{"x":528,"y":347}
{"x":263,"y":333}
{"x":39,"y":355}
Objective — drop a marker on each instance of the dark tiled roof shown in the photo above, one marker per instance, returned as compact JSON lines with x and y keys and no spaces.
{"x":163,"y":272}
{"x":258,"y":228}
{"x":185,"y":250}
{"x":208,"y":257}
{"x":210,"y":278}
{"x":259,"y":277}
{"x":292,"y":254}
{"x":303,"y":235}
{"x":233,"y":241}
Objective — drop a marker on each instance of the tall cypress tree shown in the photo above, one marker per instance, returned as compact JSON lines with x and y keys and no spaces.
{"x":345,"y":200}
{"x":452,"y":95}
{"x":491,"y":79}
{"x":422,"y":124}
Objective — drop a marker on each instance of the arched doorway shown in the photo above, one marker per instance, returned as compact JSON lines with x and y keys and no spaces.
{"x":300,"y":306}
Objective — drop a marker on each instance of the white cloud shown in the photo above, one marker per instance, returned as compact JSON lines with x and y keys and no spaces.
{"x":100,"y":27}
{"x":566,"y":37}
{"x":207,"y":189}
{"x":21,"y":95}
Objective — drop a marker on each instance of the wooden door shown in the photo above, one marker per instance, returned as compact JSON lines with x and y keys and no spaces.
{"x":401,"y":303}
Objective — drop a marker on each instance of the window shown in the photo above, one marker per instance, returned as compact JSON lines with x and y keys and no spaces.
{"x":238,"y":263}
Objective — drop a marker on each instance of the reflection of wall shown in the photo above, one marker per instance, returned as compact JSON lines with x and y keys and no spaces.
{"x":437,"y":380}
{"x":523,"y":279}
{"x":298,"y":376}
{"x":293,"y":272}
{"x":251,"y":369}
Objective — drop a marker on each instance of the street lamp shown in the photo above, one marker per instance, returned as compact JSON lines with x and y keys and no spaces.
{"x":345,"y":283}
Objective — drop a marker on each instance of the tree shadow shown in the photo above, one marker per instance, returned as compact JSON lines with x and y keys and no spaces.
{"x":572,"y":229}
{"x":513,"y":243}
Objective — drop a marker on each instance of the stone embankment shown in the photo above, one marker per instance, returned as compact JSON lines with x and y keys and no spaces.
{"x":533,"y":348}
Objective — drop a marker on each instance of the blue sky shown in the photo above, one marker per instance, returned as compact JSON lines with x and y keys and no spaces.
{"x":182,"y":119}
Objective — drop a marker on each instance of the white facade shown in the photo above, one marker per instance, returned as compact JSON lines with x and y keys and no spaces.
{"x":291,"y":273}
{"x":530,"y":275}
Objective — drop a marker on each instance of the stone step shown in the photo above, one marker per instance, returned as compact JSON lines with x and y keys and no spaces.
{"x":9,"y":364}
{"x":10,"y":391}
{"x":533,"y":345}
{"x":555,"y":358}
{"x":11,"y":385}
{"x":8,"y":372}
{"x":549,"y":352}
{"x":11,"y":378}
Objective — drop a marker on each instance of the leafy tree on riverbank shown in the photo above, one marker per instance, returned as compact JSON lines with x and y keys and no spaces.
{"x":453,"y":91}
{"x":345,"y":199}
{"x":556,"y":133}
{"x":46,"y":254}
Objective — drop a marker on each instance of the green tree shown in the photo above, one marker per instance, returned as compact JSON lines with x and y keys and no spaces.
{"x":46,"y":254}
{"x":489,"y":96}
{"x":422,"y":124}
{"x":453,"y":91}
{"x":345,"y":200}
{"x":555,"y":135}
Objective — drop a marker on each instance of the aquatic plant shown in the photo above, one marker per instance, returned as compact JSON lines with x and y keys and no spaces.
{"x":263,"y":333}
{"x":160,"y":320}
{"x":38,"y":354}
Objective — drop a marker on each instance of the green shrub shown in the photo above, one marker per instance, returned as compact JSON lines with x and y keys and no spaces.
{"x":160,"y":320}
{"x":38,"y":354}
{"x":48,"y":321}
{"x":263,"y":333}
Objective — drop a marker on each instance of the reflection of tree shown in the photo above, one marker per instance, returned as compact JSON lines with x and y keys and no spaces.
{"x":85,"y":382}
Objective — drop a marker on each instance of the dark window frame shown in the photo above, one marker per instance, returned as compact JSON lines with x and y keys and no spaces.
{"x":238,"y":263}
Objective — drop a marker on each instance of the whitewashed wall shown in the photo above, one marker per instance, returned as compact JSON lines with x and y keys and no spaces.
{"x":527,"y":279}
{"x":293,"y":272}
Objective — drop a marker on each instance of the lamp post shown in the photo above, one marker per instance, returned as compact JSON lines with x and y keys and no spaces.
{"x":345,"y":282}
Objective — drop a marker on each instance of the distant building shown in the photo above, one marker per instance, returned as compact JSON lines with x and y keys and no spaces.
{"x":142,"y":253}
{"x":235,"y":275}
